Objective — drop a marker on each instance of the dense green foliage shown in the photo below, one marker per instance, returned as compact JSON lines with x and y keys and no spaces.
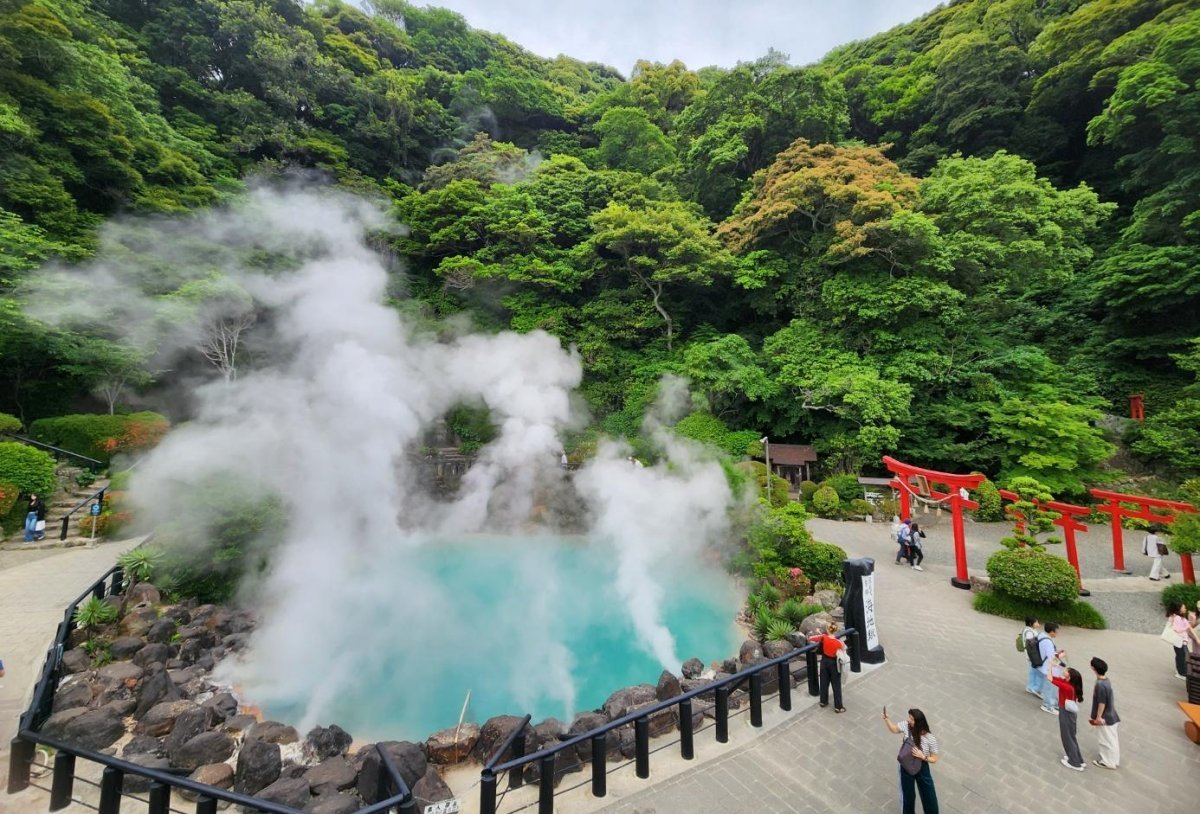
{"x":1189,"y":595}
{"x":101,"y":436}
{"x":1031,"y":575}
{"x":990,"y":508}
{"x":23,"y":471}
{"x":960,"y":241}
{"x":1075,"y":613}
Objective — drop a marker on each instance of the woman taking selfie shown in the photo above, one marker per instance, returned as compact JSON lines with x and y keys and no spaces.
{"x":918,"y":750}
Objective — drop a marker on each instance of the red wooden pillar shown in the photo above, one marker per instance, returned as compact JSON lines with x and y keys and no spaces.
{"x":1137,"y":410}
{"x":961,"y":580}
{"x":1185,"y":565}
{"x":952,"y":484}
{"x":1069,"y":525}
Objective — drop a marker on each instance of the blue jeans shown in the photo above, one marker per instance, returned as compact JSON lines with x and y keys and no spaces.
{"x":1034,"y":682}
{"x":30,"y":525}
{"x":1049,"y":694}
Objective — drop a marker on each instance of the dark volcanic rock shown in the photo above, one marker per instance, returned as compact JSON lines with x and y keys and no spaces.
{"x":161,"y":631}
{"x":750,"y":649}
{"x":137,"y":621}
{"x":143,"y":745}
{"x":124,"y":647}
{"x":453,"y":745}
{"x":290,"y":791}
{"x":160,"y":720}
{"x":333,"y":775}
{"x":430,"y":789}
{"x":258,"y":766}
{"x":75,"y":694}
{"x":90,"y":729}
{"x":272,"y":732}
{"x":142,"y":593}
{"x":410,"y":761}
{"x":207,"y":747}
{"x":136,"y":784}
{"x":493,"y":733}
{"x":668,"y":686}
{"x":325,"y":742}
{"x":151,"y":653}
{"x":692,"y":668}
{"x":76,"y":660}
{"x":155,"y":688}
{"x":627,"y":699}
{"x":223,"y":706}
{"x":189,"y":723}
{"x":586,"y":722}
{"x":335,"y":804}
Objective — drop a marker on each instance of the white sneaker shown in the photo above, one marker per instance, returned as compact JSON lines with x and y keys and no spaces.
{"x":1067,"y":763}
{"x":1050,"y":710}
{"x":918,"y":568}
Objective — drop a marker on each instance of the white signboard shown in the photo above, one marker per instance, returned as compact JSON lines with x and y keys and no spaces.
{"x":868,"y":589}
{"x":451,"y":806}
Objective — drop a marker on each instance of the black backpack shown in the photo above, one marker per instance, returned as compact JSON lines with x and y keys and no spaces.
{"x":1034,"y":650}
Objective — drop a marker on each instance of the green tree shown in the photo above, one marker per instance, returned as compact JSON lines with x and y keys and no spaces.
{"x":629,"y":140}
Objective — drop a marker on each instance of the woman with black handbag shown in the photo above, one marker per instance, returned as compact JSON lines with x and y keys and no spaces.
{"x":918,"y":750}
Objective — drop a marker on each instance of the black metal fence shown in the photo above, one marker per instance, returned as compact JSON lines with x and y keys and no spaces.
{"x":393,"y":791}
{"x":58,"y":452}
{"x":97,"y":496}
{"x":547,"y":759}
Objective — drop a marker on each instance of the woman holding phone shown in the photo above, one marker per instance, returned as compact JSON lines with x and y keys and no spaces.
{"x":918,"y":750}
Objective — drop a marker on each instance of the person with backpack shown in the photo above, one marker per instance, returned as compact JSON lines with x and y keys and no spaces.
{"x":1027,"y":644}
{"x":904,"y":539}
{"x":915,"y":552}
{"x":1047,"y":655}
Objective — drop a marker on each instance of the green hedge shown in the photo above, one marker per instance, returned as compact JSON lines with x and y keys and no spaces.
{"x":28,"y":469}
{"x":9,"y":423}
{"x":1076,"y":613}
{"x":990,"y":508}
{"x":825,"y":502}
{"x":100,"y":436}
{"x":820,"y":562}
{"x":846,"y":486}
{"x":1033,"y":576}
{"x":1187,"y":594}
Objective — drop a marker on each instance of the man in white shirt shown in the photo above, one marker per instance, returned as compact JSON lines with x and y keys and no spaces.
{"x":1153,"y":547}
{"x":1049,"y":651}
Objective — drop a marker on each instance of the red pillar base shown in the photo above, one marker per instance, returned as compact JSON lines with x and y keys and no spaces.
{"x":965,"y":584}
{"x":1189,"y":574}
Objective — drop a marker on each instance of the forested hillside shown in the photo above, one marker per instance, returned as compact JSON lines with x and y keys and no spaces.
{"x":960,"y":241}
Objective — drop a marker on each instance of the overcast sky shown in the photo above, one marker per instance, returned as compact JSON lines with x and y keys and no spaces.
{"x":699,"y":32}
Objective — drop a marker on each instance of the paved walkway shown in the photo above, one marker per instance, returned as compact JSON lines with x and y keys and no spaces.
{"x":1000,"y":753}
{"x":34,"y":591}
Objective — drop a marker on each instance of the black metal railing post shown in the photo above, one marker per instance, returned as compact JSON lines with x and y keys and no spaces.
{"x":756,"y":698}
{"x":784,"y":674}
{"x":686,"y":746}
{"x":641,"y":746}
{"x":855,"y":652}
{"x":64,"y":781}
{"x":723,"y":714}
{"x":546,"y":785}
{"x":118,"y":582}
{"x":110,"y":791}
{"x":20,"y":755}
{"x":487,"y":792}
{"x":810,"y":661}
{"x":160,"y":798}
{"x":66,"y":522}
{"x":516,"y":778}
{"x":206,"y":805}
{"x":599,"y":757}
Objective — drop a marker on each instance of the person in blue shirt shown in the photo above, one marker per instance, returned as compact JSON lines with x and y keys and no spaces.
{"x":904,"y":538}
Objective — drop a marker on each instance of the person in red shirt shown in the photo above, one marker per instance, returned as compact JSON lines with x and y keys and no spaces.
{"x":830,"y":674}
{"x":1070,"y":696}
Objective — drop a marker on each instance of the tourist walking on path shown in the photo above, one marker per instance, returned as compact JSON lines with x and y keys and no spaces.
{"x":1029,"y":645}
{"x":1105,"y":718}
{"x":36,"y":514}
{"x":918,"y":750}
{"x":1177,"y":618}
{"x":1070,"y":696}
{"x":904,"y":539}
{"x":915,"y":551}
{"x":831,"y":674}
{"x":1048,"y":654}
{"x":1154,"y":547}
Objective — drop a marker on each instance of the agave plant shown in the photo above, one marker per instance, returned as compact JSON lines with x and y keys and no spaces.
{"x":754,"y":604}
{"x":763,"y":620}
{"x":770,"y":594}
{"x":795,"y":611}
{"x":94,"y":612}
{"x":139,"y":564}
{"x":779,"y":629}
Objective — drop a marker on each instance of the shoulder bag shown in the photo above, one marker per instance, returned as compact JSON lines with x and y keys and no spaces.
{"x":910,"y":764}
{"x":1169,"y":635}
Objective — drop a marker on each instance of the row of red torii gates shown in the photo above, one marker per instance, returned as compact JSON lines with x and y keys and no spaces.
{"x":954,"y":490}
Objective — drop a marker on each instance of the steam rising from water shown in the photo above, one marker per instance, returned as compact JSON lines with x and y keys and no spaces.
{"x":338,"y":397}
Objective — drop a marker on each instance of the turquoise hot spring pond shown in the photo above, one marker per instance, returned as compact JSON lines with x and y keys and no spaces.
{"x":531,"y":625}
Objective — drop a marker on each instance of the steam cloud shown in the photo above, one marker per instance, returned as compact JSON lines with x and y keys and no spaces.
{"x":338,"y":397}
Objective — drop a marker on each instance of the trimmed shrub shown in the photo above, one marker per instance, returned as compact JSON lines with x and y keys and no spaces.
{"x":822,"y":562}
{"x":1187,"y":594}
{"x":1076,"y":613}
{"x":990,"y":509}
{"x":860,"y":507}
{"x":807,"y":490}
{"x":826,"y":502}
{"x":1033,"y":576}
{"x":779,"y":486}
{"x":846,"y":486}
{"x":27,"y":469}
{"x":9,"y":423}
{"x":101,"y":436}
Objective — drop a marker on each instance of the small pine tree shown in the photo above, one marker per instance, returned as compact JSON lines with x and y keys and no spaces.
{"x":1029,"y":517}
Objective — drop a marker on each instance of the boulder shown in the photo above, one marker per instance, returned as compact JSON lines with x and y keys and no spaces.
{"x":776,"y":648}
{"x":453,"y":745}
{"x":289,"y":791}
{"x":626,"y":699}
{"x":235,"y":641}
{"x":223,"y":706}
{"x":155,"y":688}
{"x":143,"y":745}
{"x":239,"y":723}
{"x":177,"y":614}
{"x":160,"y":719}
{"x":206,"y":661}
{"x":770,"y":677}
{"x":189,"y":651}
{"x":142,"y":593}
{"x":121,"y":707}
{"x":76,"y":660}
{"x":586,"y":722}
{"x":272,"y":732}
{"x":692,"y":668}
{"x":430,"y":789}
{"x":90,"y":729}
{"x":838,"y":613}
{"x":198,"y":633}
{"x":335,"y":804}
{"x":207,"y":747}
{"x":493,"y":733}
{"x":136,"y":784}
{"x":242,"y":621}
{"x":750,"y":649}
{"x":137,"y":621}
{"x":332,"y":775}
{"x":668,"y":686}
{"x":69,"y":696}
{"x":409,"y":758}
{"x":184,"y":675}
{"x":152,"y":653}
{"x":729,"y":666}
{"x":325,"y":742}
{"x":258,"y":766}
{"x":161,"y":631}
{"x":815,"y":623}
{"x":828,"y":599}
{"x":219,"y":775}
{"x":547,"y":733}
{"x":189,"y":723}
{"x":220,"y":622}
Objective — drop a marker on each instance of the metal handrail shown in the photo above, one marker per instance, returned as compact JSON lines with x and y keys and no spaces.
{"x":98,"y":496}
{"x":27,"y":737}
{"x":56,"y":450}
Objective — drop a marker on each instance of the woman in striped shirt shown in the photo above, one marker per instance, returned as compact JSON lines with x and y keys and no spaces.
{"x":925,"y":750}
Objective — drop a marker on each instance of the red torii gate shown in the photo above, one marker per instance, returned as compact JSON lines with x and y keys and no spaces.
{"x":1145,"y":511}
{"x":912,"y":480}
{"x":1067,"y":512}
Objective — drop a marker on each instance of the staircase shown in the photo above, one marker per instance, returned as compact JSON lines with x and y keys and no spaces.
{"x":66,"y":497}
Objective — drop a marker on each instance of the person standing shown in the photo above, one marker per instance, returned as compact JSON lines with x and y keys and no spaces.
{"x":904,"y":539}
{"x":1154,"y":547}
{"x":37,"y":512}
{"x":915,"y":551}
{"x":1033,"y":679}
{"x":1105,"y":718}
{"x":1049,"y":654}
{"x":917,"y":752}
{"x":1177,"y":617}
{"x":1070,"y":695}
{"x":830,"y":674}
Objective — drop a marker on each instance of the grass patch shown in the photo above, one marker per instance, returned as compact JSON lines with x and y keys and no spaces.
{"x":1074,"y":614}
